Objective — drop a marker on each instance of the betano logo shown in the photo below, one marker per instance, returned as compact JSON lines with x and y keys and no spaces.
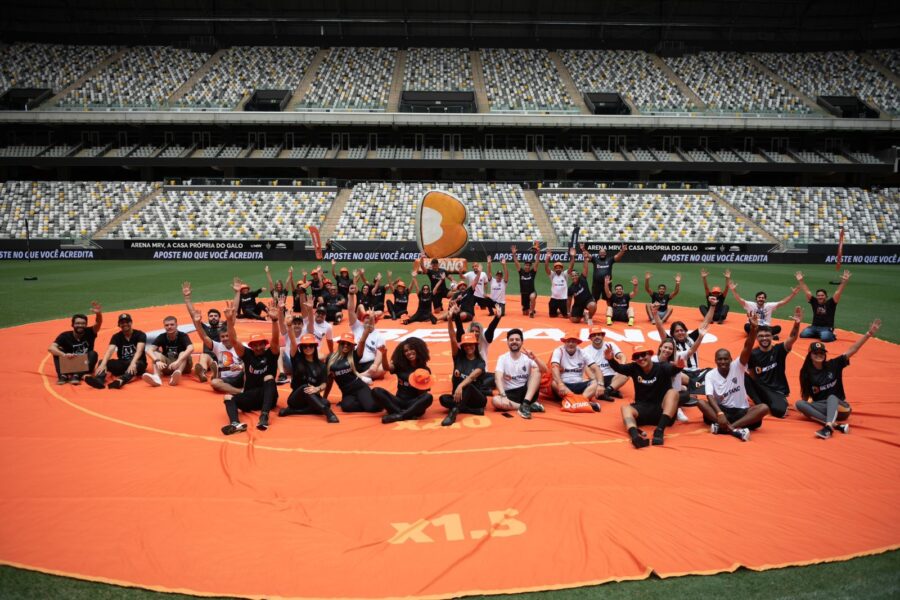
{"x":441,"y":227}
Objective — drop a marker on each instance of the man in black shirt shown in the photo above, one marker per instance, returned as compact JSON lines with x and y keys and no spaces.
{"x":248,"y":306}
{"x":767,"y":383}
{"x":823,"y":309}
{"x":619,"y":303}
{"x":341,"y":279}
{"x":603,"y":267}
{"x":333,"y":303}
{"x":661,"y":297}
{"x":213,"y":327}
{"x":527,"y":276}
{"x":128,"y":345}
{"x":170,"y":354}
{"x":438,"y":279}
{"x":654,"y":399}
{"x":78,"y":341}
{"x":581,"y":302}
{"x":720,"y":309}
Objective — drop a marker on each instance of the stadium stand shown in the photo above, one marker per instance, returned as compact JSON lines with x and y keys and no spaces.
{"x":727,"y":81}
{"x":173,"y":151}
{"x":834,"y":73}
{"x":144,"y":151}
{"x":866,"y":158}
{"x":816,"y":214}
{"x":352,"y":79}
{"x":242,"y":70}
{"x":889,"y":57}
{"x":54,"y":66}
{"x":523,"y":80}
{"x":387,"y":211}
{"x":16,"y":151}
{"x":58,"y":209}
{"x":144,"y":77}
{"x":630,"y":73}
{"x":438,"y":69}
{"x":227,"y":214}
{"x":633,"y":217}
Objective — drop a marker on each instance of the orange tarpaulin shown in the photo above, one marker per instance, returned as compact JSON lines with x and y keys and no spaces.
{"x":138,"y":487}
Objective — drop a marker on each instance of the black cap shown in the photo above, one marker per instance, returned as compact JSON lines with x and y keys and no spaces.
{"x":321,"y":309}
{"x":124,"y":317}
{"x":818,"y":347}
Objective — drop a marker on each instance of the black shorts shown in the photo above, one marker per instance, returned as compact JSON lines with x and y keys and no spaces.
{"x":607,"y":380}
{"x":362,"y":367}
{"x":251,"y":399}
{"x":733,"y":414}
{"x":578,"y":388}
{"x":526,"y":300}
{"x":578,"y":308}
{"x":648,"y":414}
{"x":620,"y":314}
{"x":559,"y":306}
{"x":236,"y":380}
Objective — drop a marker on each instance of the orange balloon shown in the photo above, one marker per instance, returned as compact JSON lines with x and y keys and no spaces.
{"x":442,"y":225}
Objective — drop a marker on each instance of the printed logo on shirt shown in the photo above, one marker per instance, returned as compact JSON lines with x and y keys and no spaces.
{"x":643,"y":381}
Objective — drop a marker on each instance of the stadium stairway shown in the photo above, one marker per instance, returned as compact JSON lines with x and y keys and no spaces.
{"x":677,"y":81}
{"x":104,"y":231}
{"x":308,"y":78}
{"x":478,"y":79}
{"x":334,"y":213}
{"x":571,"y":88}
{"x":810,"y":102}
{"x":393,"y":104}
{"x":738,"y":214}
{"x":77,"y":83}
{"x":541,"y":220}
{"x":198,"y":74}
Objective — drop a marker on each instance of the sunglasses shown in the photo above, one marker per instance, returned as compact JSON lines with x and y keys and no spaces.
{"x":641,"y":355}
{"x":309,"y":345}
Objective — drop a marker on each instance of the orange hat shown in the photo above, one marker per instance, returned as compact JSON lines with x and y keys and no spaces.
{"x":401,"y":284}
{"x":468,"y":338}
{"x":258,"y":338}
{"x":308,"y":339}
{"x":245,"y":287}
{"x":343,"y":270}
{"x":716,"y":290}
{"x":347,"y":338}
{"x":570,"y":336}
{"x":421,"y":379}
{"x":558,"y":264}
{"x":596,"y":330}
{"x":641,"y":350}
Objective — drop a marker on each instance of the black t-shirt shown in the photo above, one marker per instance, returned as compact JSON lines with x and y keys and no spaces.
{"x":437,"y":278}
{"x":126,"y":347}
{"x":306,"y":372}
{"x":172,"y":348}
{"x":829,"y":379}
{"x":424,"y":302}
{"x":466,"y":301}
{"x":463,"y":367}
{"x":526,"y":281}
{"x":343,"y":284}
{"x":661,"y":299}
{"x":619,"y":303}
{"x":823,"y":314}
{"x":768,"y":368}
{"x":401,"y":299}
{"x":344,"y":375}
{"x":316,"y":287}
{"x":213,"y":333}
{"x":376,"y":298}
{"x":404,"y":390}
{"x":602,"y":267}
{"x":649,"y":388}
{"x":256,"y":367}
{"x":70,"y":345}
{"x":332,"y":302}
{"x":277,"y":295}
{"x":580,"y":292}
{"x":248,"y":301}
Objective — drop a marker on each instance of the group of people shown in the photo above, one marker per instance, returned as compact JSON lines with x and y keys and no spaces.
{"x":302,"y":349}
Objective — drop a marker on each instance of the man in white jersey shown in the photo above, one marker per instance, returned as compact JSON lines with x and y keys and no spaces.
{"x":762,"y":308}
{"x":559,"y":284}
{"x":517,"y":378}
{"x":726,"y":408}
{"x":367,"y":356}
{"x":611,"y":381}
{"x":226,"y":369}
{"x":573,"y":370}
{"x":498,"y":286}
{"x":476,"y":278}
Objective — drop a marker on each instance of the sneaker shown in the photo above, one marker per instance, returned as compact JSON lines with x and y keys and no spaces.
{"x":200,"y":373}
{"x":631,"y":322}
{"x":742,"y":433}
{"x":843,"y":427}
{"x":116,"y":384}
{"x":391,"y":418}
{"x":62,"y":380}
{"x":525,"y":410}
{"x":281,"y":380}
{"x":587,"y":318}
{"x":594,"y":406}
{"x":152,"y":378}
{"x":263,"y":422}
{"x":234,"y":428}
{"x":691,"y":401}
{"x":614,"y":393}
{"x":366,"y":379}
{"x":825,"y":432}
{"x":75,"y":380}
{"x":609,"y":320}
{"x":95,"y":382}
{"x":537,"y":407}
{"x":681,"y":417}
{"x":659,"y":437}
{"x":175,"y":378}
{"x":640,"y":440}
{"x":714,"y":428}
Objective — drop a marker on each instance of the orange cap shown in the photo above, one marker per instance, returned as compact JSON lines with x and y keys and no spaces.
{"x":716,"y":290}
{"x":570,"y":336}
{"x":558,"y":264}
{"x":596,"y":330}
{"x":308,"y":339}
{"x":245,"y":287}
{"x":401,"y":284}
{"x":347,"y":338}
{"x":641,"y":350}
{"x":258,"y":338}
{"x":468,"y":338}
{"x":421,"y":379}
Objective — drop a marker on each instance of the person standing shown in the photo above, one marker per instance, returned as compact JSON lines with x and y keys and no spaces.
{"x":527,"y":275}
{"x":438,"y":278}
{"x":80,"y":340}
{"x":603,"y":267}
{"x":559,"y":284}
{"x":823,"y":308}
{"x":498,"y":286}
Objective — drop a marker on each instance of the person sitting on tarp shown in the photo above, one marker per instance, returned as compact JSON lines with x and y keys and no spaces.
{"x":248,"y":306}
{"x":823,"y":308}
{"x":128,"y":345}
{"x":574,"y":372}
{"x":720,"y":309}
{"x":517,"y":378}
{"x":469,"y":367}
{"x":79,"y":341}
{"x":409,"y":362}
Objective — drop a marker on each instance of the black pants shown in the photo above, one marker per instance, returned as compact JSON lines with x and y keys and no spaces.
{"x":763,"y":394}
{"x":92,"y":362}
{"x":255,"y":312}
{"x":437,"y":297}
{"x":776,"y":329}
{"x":410,"y":408}
{"x":598,"y":291}
{"x":260,"y":398}
{"x":358,"y":398}
{"x":395,"y":310}
{"x":559,"y":306}
{"x":719,"y":315}
{"x":423,"y":315}
{"x":485,"y":303}
{"x":118,"y":366}
{"x":302,"y":403}
{"x":473,"y":401}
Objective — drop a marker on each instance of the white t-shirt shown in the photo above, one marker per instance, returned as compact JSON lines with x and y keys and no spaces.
{"x":596,"y":356}
{"x":477,"y":283}
{"x":224,"y":356}
{"x":571,"y":366}
{"x":729,"y":390}
{"x":323,"y":331}
{"x":515,"y":371}
{"x":559,"y":285}
{"x":764,"y":313}
{"x":498,"y":291}
{"x":373,"y":342}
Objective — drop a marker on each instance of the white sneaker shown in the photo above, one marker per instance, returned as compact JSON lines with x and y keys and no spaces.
{"x":366,"y":379}
{"x":152,"y":378}
{"x":741,"y":433}
{"x":714,"y":428}
{"x":587,"y":318}
{"x":681,"y":417}
{"x":175,"y":378}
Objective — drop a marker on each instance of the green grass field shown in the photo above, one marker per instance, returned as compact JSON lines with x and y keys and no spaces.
{"x":63,"y":288}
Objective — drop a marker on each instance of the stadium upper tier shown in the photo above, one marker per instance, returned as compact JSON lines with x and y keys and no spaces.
{"x":496,"y":212}
{"x":528,"y":80}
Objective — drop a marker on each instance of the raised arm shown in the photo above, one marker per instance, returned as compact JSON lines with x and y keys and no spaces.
{"x":98,"y":315}
{"x":537,"y":255}
{"x":547,"y":262}
{"x":334,"y":268}
{"x":634,"y":286}
{"x":873,"y":329}
{"x":620,"y":253}
{"x":704,"y":275}
{"x":275,"y":314}
{"x":505,"y":270}
{"x":414,"y":282}
{"x":230,"y":315}
{"x":571,"y":260}
{"x":647,"y":283}
{"x":733,"y":287}
{"x":290,"y":279}
{"x":654,"y":314}
{"x":351,"y":305}
{"x":845,"y":277}
{"x":492,"y":327}
{"x":198,"y":327}
{"x":795,"y":328}
{"x":803,"y":286}
{"x":789,"y":297}
{"x":186,"y":293}
{"x":515,"y":257}
{"x":753,"y":317}
{"x":269,"y":280}
{"x":695,"y":347}
{"x":452,"y":310}
{"x":606,"y":284}
{"x":713,"y":302}
{"x":677,"y":286}
{"x":586,"y":265}
{"x":727,"y":283}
